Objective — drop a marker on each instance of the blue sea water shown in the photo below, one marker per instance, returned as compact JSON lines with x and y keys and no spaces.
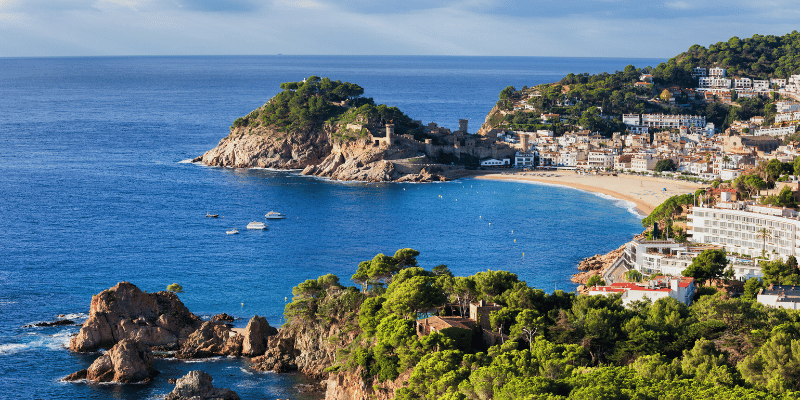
{"x":94,"y":189}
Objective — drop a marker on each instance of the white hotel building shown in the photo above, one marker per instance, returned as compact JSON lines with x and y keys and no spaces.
{"x":739,"y":229}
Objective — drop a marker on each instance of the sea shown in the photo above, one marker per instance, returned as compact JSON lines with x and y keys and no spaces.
{"x":97,"y":187}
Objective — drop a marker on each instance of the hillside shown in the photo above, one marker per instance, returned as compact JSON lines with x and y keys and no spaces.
{"x":327,"y":129}
{"x":597,"y":102}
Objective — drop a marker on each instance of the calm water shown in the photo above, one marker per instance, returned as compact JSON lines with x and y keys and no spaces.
{"x":94,"y":192}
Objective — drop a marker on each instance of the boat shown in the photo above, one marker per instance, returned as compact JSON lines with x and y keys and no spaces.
{"x":274,"y":215}
{"x":211,"y":215}
{"x":233,"y":231}
{"x":256,"y":225}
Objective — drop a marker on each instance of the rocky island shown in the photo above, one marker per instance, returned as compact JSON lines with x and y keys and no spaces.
{"x":327,"y":129}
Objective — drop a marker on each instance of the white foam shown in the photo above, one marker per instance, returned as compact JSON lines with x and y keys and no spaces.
{"x":57,"y":342}
{"x":621,"y":203}
{"x":12,"y":348}
{"x":189,"y":161}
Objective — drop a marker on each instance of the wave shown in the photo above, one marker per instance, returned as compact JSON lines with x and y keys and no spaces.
{"x":187,"y":161}
{"x":58,"y":341}
{"x":621,"y":203}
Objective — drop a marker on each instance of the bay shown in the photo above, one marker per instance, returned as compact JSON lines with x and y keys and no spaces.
{"x":95,"y":189}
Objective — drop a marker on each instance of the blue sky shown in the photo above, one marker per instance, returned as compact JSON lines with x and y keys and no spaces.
{"x":594,"y":28}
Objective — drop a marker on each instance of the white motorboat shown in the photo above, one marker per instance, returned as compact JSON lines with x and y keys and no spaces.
{"x":233,"y":231}
{"x":257,"y":225}
{"x":274,"y":215}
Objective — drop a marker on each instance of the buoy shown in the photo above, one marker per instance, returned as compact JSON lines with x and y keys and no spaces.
{"x":523,"y":254}
{"x":479,"y":217}
{"x":242,"y":304}
{"x":490,"y":223}
{"x":512,"y":231}
{"x":515,"y":240}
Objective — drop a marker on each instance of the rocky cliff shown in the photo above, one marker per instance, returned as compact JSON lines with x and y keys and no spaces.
{"x":596,"y":265}
{"x":125,"y":312}
{"x":320,"y":152}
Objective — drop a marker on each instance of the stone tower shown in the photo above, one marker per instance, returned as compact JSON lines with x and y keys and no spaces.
{"x":523,"y":139}
{"x":462,"y":125}
{"x":389,"y":134}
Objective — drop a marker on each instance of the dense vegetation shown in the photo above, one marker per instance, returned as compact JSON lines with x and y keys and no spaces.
{"x":578,"y":97}
{"x":759,"y":57}
{"x":314,"y":101}
{"x":558,"y":345}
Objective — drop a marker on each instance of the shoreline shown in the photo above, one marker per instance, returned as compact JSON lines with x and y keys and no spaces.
{"x":645,"y":192}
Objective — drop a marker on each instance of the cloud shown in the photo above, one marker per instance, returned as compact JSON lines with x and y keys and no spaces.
{"x":227,"y":6}
{"x":624,"y":28}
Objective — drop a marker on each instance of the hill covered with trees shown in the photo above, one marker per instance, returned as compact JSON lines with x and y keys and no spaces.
{"x":556,"y":346}
{"x":597,"y":102}
{"x":314,"y":101}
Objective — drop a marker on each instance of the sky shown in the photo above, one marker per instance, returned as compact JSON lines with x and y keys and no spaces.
{"x":589,"y":28}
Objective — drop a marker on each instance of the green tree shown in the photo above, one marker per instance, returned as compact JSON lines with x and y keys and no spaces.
{"x":665,"y":165}
{"x":595,"y":280}
{"x":665,"y":95}
{"x":775,"y":366}
{"x":751,"y":288}
{"x":175,"y":288}
{"x":710,"y":264}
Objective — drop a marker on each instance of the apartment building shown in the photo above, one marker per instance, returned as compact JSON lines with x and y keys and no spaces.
{"x":747,"y":229}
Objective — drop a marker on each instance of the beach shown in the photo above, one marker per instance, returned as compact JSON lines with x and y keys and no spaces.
{"x":644,"y":191}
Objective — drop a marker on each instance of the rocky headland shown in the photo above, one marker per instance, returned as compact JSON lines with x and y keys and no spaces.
{"x":326,"y":129}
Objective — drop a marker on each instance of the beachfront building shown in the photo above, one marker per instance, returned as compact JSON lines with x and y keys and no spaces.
{"x":780,"y":296}
{"x":525,"y":159}
{"x":667,"y":257}
{"x":681,"y":289}
{"x":601,"y":159}
{"x":493,"y":162}
{"x":747,"y":229}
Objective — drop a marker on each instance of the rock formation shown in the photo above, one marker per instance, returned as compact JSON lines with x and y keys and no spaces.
{"x":350,"y":386}
{"x":245,"y":147}
{"x":255,"y":336}
{"x":596,"y":264}
{"x":126,"y":362}
{"x":125,"y":312}
{"x":309,"y":348}
{"x":213,"y":338}
{"x":316,"y":152}
{"x":196,"y":385}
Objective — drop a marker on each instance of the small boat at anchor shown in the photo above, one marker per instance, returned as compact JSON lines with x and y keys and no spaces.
{"x":274,"y":215}
{"x":233,"y":231}
{"x":257,"y":225}
{"x":208,"y":215}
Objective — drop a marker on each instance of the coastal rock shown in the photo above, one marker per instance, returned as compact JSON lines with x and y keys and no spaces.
{"x":307,"y":347}
{"x":350,"y":386}
{"x":60,"y":322}
{"x":255,"y":336}
{"x":596,"y":265}
{"x":222,"y":317}
{"x":213,"y":338}
{"x":126,"y":362}
{"x":196,"y":385}
{"x":247,"y":147}
{"x":125,"y":312}
{"x":316,"y":152}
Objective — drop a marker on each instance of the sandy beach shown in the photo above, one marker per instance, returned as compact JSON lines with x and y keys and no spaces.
{"x":646,"y":192}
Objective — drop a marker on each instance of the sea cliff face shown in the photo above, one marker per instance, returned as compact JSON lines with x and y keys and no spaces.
{"x":319,"y":152}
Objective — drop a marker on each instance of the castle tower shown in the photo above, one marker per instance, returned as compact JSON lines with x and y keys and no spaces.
{"x":523,"y":139}
{"x":429,"y":147}
{"x":462,"y":125}
{"x":389,"y":134}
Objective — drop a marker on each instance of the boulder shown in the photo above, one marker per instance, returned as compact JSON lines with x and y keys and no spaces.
{"x":255,"y":336}
{"x":125,"y":312}
{"x":126,"y":362}
{"x":213,"y":338}
{"x":222,"y":317}
{"x":196,"y":385}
